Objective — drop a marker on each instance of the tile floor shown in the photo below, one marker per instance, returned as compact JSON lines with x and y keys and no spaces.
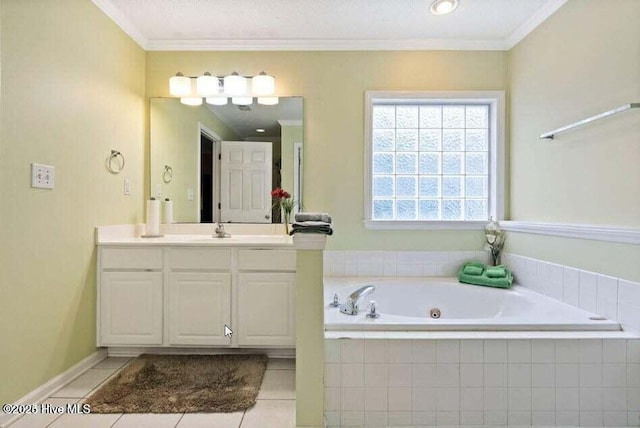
{"x":275,"y":407}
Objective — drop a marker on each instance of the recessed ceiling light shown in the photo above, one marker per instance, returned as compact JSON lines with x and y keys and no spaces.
{"x":260,"y":130}
{"x":442,"y":7}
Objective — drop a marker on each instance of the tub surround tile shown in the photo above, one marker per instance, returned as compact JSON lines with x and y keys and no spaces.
{"x":375,"y":375}
{"x":543,"y":399}
{"x":614,"y":399}
{"x":376,"y":418}
{"x":399,"y":374}
{"x":352,"y":398}
{"x":423,"y":351}
{"x":447,"y":375}
{"x":471,"y":375}
{"x":423,"y":399}
{"x":352,"y":351}
{"x":614,"y":351}
{"x":424,"y":375}
{"x":376,"y":399}
{"x":375,"y":351}
{"x":590,"y":351}
{"x":471,"y":351}
{"x":448,"y":351}
{"x":495,"y":418}
{"x":495,"y":351}
{"x":542,"y":351}
{"x":604,"y":295}
{"x":398,"y":419}
{"x":400,"y":399}
{"x":543,"y":375}
{"x":352,"y":374}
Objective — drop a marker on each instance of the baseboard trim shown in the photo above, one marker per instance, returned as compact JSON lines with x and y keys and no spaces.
{"x":45,"y":390}
{"x":626,"y":235}
{"x":122,"y":351}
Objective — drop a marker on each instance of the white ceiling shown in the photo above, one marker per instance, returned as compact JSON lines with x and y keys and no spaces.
{"x":325,"y":24}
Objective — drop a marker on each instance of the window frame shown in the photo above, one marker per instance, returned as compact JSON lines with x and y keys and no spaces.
{"x":495,"y":100}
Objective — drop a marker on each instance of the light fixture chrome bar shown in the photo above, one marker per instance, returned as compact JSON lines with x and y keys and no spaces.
{"x":551,"y":134}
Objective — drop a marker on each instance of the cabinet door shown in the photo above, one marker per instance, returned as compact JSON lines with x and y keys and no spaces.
{"x":131,"y":308}
{"x":266,"y":309}
{"x":199,"y":308}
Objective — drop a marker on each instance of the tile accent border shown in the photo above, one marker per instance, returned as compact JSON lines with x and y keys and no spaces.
{"x":627,"y":235}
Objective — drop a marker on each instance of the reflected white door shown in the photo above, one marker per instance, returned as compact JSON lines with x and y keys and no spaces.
{"x":245,"y":181}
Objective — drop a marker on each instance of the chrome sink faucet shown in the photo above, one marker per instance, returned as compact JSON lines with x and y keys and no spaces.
{"x":220,"y":233}
{"x":351,"y":306}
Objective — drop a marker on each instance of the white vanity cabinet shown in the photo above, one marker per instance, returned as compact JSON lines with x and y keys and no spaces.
{"x":266,"y":297}
{"x":130,"y":303}
{"x":183,"y":296}
{"x":199,"y":299}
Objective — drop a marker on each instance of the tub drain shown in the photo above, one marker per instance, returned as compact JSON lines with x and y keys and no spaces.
{"x":434,"y":313}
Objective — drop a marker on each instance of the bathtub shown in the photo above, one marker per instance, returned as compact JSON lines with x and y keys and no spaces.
{"x":405,"y":304}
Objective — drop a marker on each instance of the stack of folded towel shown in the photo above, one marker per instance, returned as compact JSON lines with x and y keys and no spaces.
{"x":312,"y":223}
{"x":492,"y":276}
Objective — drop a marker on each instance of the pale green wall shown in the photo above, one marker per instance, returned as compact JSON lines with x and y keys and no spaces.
{"x":583,"y":60}
{"x":72,"y":89}
{"x":333,"y":86}
{"x":175,"y":138}
{"x":290,"y":135}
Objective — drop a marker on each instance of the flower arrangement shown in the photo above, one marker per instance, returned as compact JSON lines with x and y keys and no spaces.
{"x":283,"y":199}
{"x":495,"y":241}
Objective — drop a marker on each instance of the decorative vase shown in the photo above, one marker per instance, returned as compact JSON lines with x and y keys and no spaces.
{"x":286,"y":217}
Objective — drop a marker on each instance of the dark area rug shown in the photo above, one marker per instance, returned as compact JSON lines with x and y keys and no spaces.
{"x":182,"y":384}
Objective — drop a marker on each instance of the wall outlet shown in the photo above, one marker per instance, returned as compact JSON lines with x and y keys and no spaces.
{"x":42,"y":176}
{"x":158,"y":190}
{"x":189,"y":194}
{"x":127,"y":187}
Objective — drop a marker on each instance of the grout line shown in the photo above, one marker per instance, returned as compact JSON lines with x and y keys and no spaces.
{"x":178,"y":423}
{"x":117,"y":420}
{"x":242,"y":419}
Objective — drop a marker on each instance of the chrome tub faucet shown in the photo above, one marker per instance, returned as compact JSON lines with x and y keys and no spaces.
{"x":351,"y":306}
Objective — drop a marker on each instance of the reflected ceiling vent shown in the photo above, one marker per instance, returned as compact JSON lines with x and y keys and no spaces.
{"x":244,"y":108}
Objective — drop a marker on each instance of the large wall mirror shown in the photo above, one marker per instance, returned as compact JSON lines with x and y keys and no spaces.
{"x":220,"y":163}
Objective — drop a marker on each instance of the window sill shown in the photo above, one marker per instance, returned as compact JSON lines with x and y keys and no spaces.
{"x":424,"y":225}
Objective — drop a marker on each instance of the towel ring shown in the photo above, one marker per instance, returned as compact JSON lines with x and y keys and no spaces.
{"x":120,"y":165}
{"x":167,"y":175}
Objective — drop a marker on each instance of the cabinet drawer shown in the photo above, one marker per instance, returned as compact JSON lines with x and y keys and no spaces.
{"x":131,"y":258}
{"x":200,"y":258}
{"x":269,"y":260}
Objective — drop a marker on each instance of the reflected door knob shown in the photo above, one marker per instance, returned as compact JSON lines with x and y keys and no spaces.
{"x":267,"y":216}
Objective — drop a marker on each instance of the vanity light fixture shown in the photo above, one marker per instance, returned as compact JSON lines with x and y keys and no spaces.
{"x":217,"y":101}
{"x":242,"y":101}
{"x":263,"y":84}
{"x":261,"y":130}
{"x":442,"y":7}
{"x":268,"y":101}
{"x":179,"y":85}
{"x":235,"y":85}
{"x":217,"y":89}
{"x":207,"y":85}
{"x":191,"y":101}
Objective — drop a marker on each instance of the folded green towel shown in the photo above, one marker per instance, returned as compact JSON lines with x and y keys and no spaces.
{"x":470,"y":269}
{"x":496,"y":271}
{"x":504,"y":282}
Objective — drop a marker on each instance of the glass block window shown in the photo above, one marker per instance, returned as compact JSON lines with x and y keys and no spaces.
{"x":430,"y":160}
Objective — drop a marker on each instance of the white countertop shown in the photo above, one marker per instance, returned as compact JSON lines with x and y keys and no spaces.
{"x":124,"y":235}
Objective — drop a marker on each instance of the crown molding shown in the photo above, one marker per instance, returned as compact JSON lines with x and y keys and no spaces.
{"x":324,"y":45}
{"x":626,"y":235}
{"x":122,"y":21}
{"x":548,"y":9}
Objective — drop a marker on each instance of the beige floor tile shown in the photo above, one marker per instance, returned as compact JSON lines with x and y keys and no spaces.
{"x":209,"y":420}
{"x":271,"y":414}
{"x":112,"y":363}
{"x":43,"y":419}
{"x":85,"y":421}
{"x":148,"y":420}
{"x":278,"y":385}
{"x":84,"y":384}
{"x":281,"y":364}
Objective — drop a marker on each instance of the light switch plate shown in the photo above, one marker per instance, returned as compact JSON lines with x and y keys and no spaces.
{"x":42,"y":176}
{"x":158,"y":190}
{"x":127,"y":187}
{"x":190,"y":194}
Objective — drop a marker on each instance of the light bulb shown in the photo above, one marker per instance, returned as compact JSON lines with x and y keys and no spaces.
{"x":268,"y":101}
{"x":235,"y":85}
{"x":217,"y":101}
{"x":207,"y":85}
{"x":263,"y":84}
{"x":179,"y":85}
{"x":442,"y":7}
{"x":242,"y":101}
{"x":191,"y":101}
